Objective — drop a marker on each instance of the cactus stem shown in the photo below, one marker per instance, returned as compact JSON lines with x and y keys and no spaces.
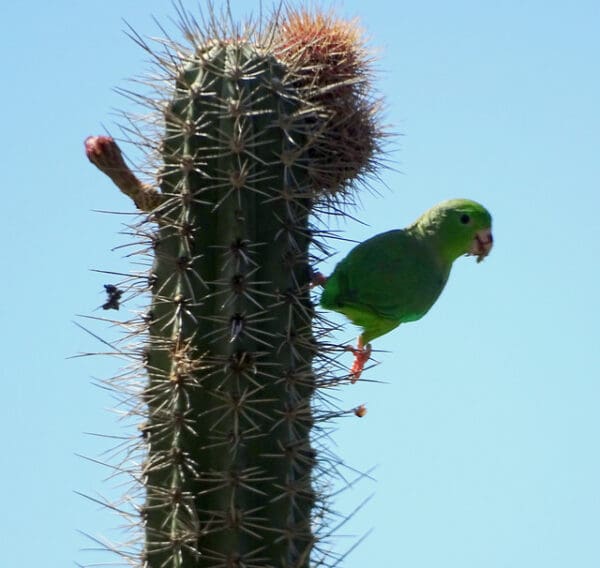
{"x":253,"y":134}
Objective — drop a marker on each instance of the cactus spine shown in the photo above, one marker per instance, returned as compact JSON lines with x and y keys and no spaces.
{"x":260,"y":130}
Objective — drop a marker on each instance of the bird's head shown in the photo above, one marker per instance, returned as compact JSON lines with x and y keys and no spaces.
{"x":458,"y":227}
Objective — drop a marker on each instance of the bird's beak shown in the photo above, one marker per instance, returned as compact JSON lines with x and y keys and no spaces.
{"x":482,"y":244}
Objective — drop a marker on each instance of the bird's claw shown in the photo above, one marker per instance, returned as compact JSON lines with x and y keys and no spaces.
{"x":317,"y":279}
{"x":361,"y":356}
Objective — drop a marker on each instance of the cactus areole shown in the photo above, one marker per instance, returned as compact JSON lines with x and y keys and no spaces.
{"x":253,"y":137}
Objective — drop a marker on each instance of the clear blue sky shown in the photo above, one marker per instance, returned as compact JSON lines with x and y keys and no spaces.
{"x":485,"y":430}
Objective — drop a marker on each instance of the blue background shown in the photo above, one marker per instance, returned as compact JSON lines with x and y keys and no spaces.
{"x":483,"y":427}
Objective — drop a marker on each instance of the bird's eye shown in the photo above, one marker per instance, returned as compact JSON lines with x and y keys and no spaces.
{"x":464,"y":219}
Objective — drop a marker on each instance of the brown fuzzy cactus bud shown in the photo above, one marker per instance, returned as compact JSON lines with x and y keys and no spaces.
{"x":334,"y":72}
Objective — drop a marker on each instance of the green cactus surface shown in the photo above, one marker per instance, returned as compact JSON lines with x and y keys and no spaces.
{"x":231,"y":348}
{"x":254,"y":144}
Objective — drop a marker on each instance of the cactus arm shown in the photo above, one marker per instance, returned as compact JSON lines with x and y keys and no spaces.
{"x":106,"y":155}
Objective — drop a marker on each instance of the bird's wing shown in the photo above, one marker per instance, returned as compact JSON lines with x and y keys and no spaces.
{"x":392,"y":275}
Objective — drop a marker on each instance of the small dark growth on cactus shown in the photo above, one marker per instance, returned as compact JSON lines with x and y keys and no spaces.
{"x":254,"y":133}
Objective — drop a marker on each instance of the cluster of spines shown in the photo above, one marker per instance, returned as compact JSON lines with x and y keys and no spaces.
{"x":233,"y":361}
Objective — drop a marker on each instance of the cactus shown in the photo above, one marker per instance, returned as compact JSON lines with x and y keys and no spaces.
{"x":263,"y":130}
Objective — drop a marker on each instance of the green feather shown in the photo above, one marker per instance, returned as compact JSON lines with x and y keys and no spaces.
{"x":395,"y":277}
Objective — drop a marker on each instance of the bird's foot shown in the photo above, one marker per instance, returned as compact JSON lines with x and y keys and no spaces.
{"x":317,"y":279}
{"x":361,"y":356}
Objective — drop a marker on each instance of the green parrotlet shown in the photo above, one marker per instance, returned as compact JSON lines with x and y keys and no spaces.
{"x":395,"y":277}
